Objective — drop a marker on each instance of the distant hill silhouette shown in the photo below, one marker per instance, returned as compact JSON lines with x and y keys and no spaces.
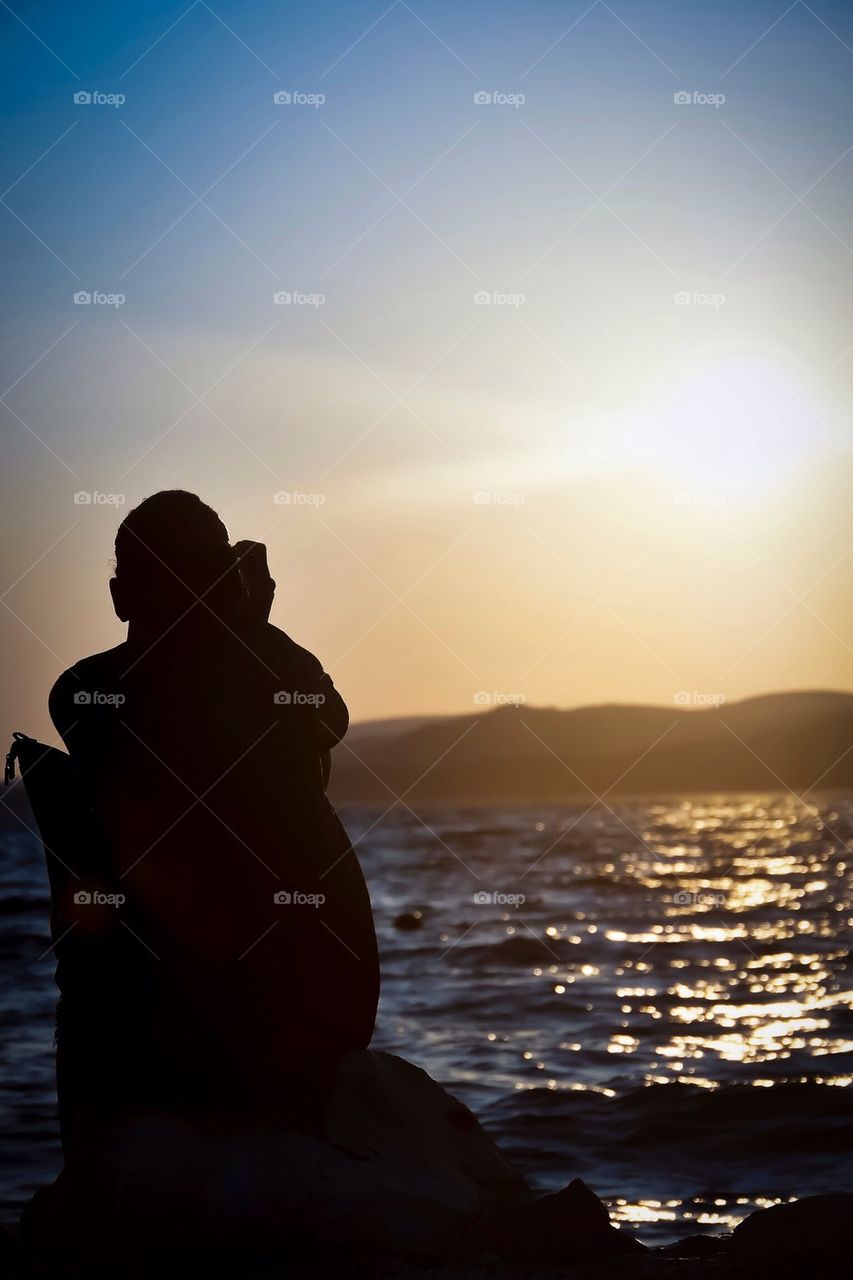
{"x":794,"y":740}
{"x":392,"y":727}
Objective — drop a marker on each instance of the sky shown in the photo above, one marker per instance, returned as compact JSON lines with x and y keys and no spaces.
{"x":520,"y":332}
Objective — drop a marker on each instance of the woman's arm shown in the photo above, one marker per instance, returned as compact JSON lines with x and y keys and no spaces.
{"x":332,"y":714}
{"x":63,"y":710}
{"x":83,"y":702}
{"x":312,"y":689}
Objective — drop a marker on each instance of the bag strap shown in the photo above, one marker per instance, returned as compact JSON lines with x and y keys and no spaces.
{"x":18,"y":740}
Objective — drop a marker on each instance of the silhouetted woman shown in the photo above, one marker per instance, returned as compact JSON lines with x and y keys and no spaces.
{"x":217,"y":959}
{"x":241,"y":962}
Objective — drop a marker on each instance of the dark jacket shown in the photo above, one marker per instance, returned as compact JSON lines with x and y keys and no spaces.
{"x":242,"y":961}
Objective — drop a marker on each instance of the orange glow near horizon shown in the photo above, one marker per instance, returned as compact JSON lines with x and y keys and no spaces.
{"x":539,"y":442}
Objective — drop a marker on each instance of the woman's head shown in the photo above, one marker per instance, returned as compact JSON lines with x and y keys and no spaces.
{"x":173,"y":559}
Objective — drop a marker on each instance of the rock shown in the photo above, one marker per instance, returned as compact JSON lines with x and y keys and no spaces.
{"x":409,"y":920}
{"x":10,"y":1244}
{"x":404,"y":1170}
{"x":384,"y":1109}
{"x":816,"y":1226}
{"x":697,"y":1246}
{"x":571,"y":1226}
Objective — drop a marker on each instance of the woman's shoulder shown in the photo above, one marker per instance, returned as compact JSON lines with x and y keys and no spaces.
{"x":84,"y":680}
{"x":287,"y":655}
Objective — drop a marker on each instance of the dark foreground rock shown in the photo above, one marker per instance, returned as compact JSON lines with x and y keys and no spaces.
{"x":694,"y":1258}
{"x":401,"y":1170}
{"x":817,"y":1230}
{"x":289,"y":1267}
{"x":402,"y":1182}
{"x":572,"y":1225}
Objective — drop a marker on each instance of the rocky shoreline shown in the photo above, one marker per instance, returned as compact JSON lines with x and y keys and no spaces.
{"x":401,"y":1183}
{"x":809,"y":1239}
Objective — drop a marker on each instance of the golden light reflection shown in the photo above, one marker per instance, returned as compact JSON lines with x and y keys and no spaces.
{"x":721,"y":1212}
{"x":732,"y":960}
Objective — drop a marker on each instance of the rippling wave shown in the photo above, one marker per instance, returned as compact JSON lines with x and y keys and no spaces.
{"x":651,"y":996}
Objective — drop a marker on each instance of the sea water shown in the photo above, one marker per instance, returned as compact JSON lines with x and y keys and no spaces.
{"x":650,"y":994}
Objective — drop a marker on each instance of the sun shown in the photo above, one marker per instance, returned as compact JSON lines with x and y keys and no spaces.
{"x":736,"y":427}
